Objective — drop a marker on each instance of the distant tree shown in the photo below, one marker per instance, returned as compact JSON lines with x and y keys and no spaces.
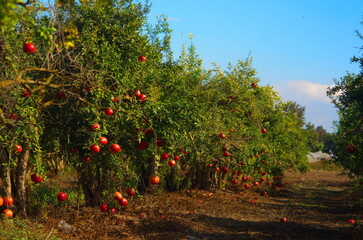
{"x":329,"y":144}
{"x":321,"y":133}
{"x":325,"y":138}
{"x":313,"y":138}
{"x":319,"y":139}
{"x":298,"y":110}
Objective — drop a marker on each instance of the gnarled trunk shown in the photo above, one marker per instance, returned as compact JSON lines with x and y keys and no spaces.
{"x":20,"y":180}
{"x":172,"y":178}
{"x":90,"y":185}
{"x":188,"y":177}
{"x":205,"y":183}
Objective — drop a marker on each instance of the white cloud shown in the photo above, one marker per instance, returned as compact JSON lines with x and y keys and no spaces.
{"x":312,"y":91}
{"x":319,"y":109}
{"x":304,"y":90}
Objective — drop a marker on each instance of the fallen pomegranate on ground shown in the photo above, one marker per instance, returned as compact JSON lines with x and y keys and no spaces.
{"x":29,"y":48}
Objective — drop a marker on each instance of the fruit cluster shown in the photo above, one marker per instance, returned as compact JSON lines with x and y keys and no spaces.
{"x":7,"y":202}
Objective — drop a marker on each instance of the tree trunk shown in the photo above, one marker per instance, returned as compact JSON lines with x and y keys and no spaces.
{"x":5,"y":172}
{"x":20,"y":180}
{"x":153,"y":167}
{"x":55,"y":164}
{"x":197,"y":179}
{"x":176,"y":176}
{"x":205,"y":180}
{"x":7,"y":183}
{"x":217,"y":177}
{"x":172,"y":179}
{"x":222,"y":181}
{"x":212,"y":177}
{"x":188,"y":177}
{"x":89,"y":185}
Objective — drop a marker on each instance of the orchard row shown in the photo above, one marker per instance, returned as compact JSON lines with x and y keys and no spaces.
{"x":109,"y":102}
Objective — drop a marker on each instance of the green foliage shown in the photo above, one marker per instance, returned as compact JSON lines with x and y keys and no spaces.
{"x":7,"y":12}
{"x":347,"y":96}
{"x":43,"y":196}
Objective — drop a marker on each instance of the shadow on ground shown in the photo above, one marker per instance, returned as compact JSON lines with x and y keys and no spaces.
{"x":227,"y":228}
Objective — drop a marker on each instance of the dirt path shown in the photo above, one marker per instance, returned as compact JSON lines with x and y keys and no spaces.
{"x":316,"y":204}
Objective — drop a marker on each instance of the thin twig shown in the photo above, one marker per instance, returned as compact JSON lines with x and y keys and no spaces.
{"x":51,"y":230}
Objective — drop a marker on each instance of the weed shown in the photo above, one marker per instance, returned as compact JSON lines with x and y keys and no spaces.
{"x":20,"y":229}
{"x":327,"y":166}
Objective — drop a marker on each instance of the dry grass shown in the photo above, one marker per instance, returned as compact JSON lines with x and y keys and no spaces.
{"x":316,"y":204}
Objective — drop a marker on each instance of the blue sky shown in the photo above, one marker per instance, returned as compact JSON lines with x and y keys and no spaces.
{"x":298,"y":47}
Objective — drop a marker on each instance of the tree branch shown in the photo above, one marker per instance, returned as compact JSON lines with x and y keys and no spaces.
{"x":24,"y":4}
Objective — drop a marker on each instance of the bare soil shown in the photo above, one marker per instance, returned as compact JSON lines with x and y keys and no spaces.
{"x":317,"y":205}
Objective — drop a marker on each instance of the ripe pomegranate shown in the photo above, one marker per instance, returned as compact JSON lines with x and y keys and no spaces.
{"x":8,"y":213}
{"x":222,"y":135}
{"x":115,"y":148}
{"x":154,"y":180}
{"x":142,"y":145}
{"x":164,"y":156}
{"x":35,"y":178}
{"x":226,"y":154}
{"x":8,"y":201}
{"x":142,"y":59}
{"x":123,"y":202}
{"x":29,"y":48}
{"x":104,"y":207}
{"x":131,"y":192}
{"x":224,"y":169}
{"x":103,"y":140}
{"x":18,"y":148}
{"x":171,"y":163}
